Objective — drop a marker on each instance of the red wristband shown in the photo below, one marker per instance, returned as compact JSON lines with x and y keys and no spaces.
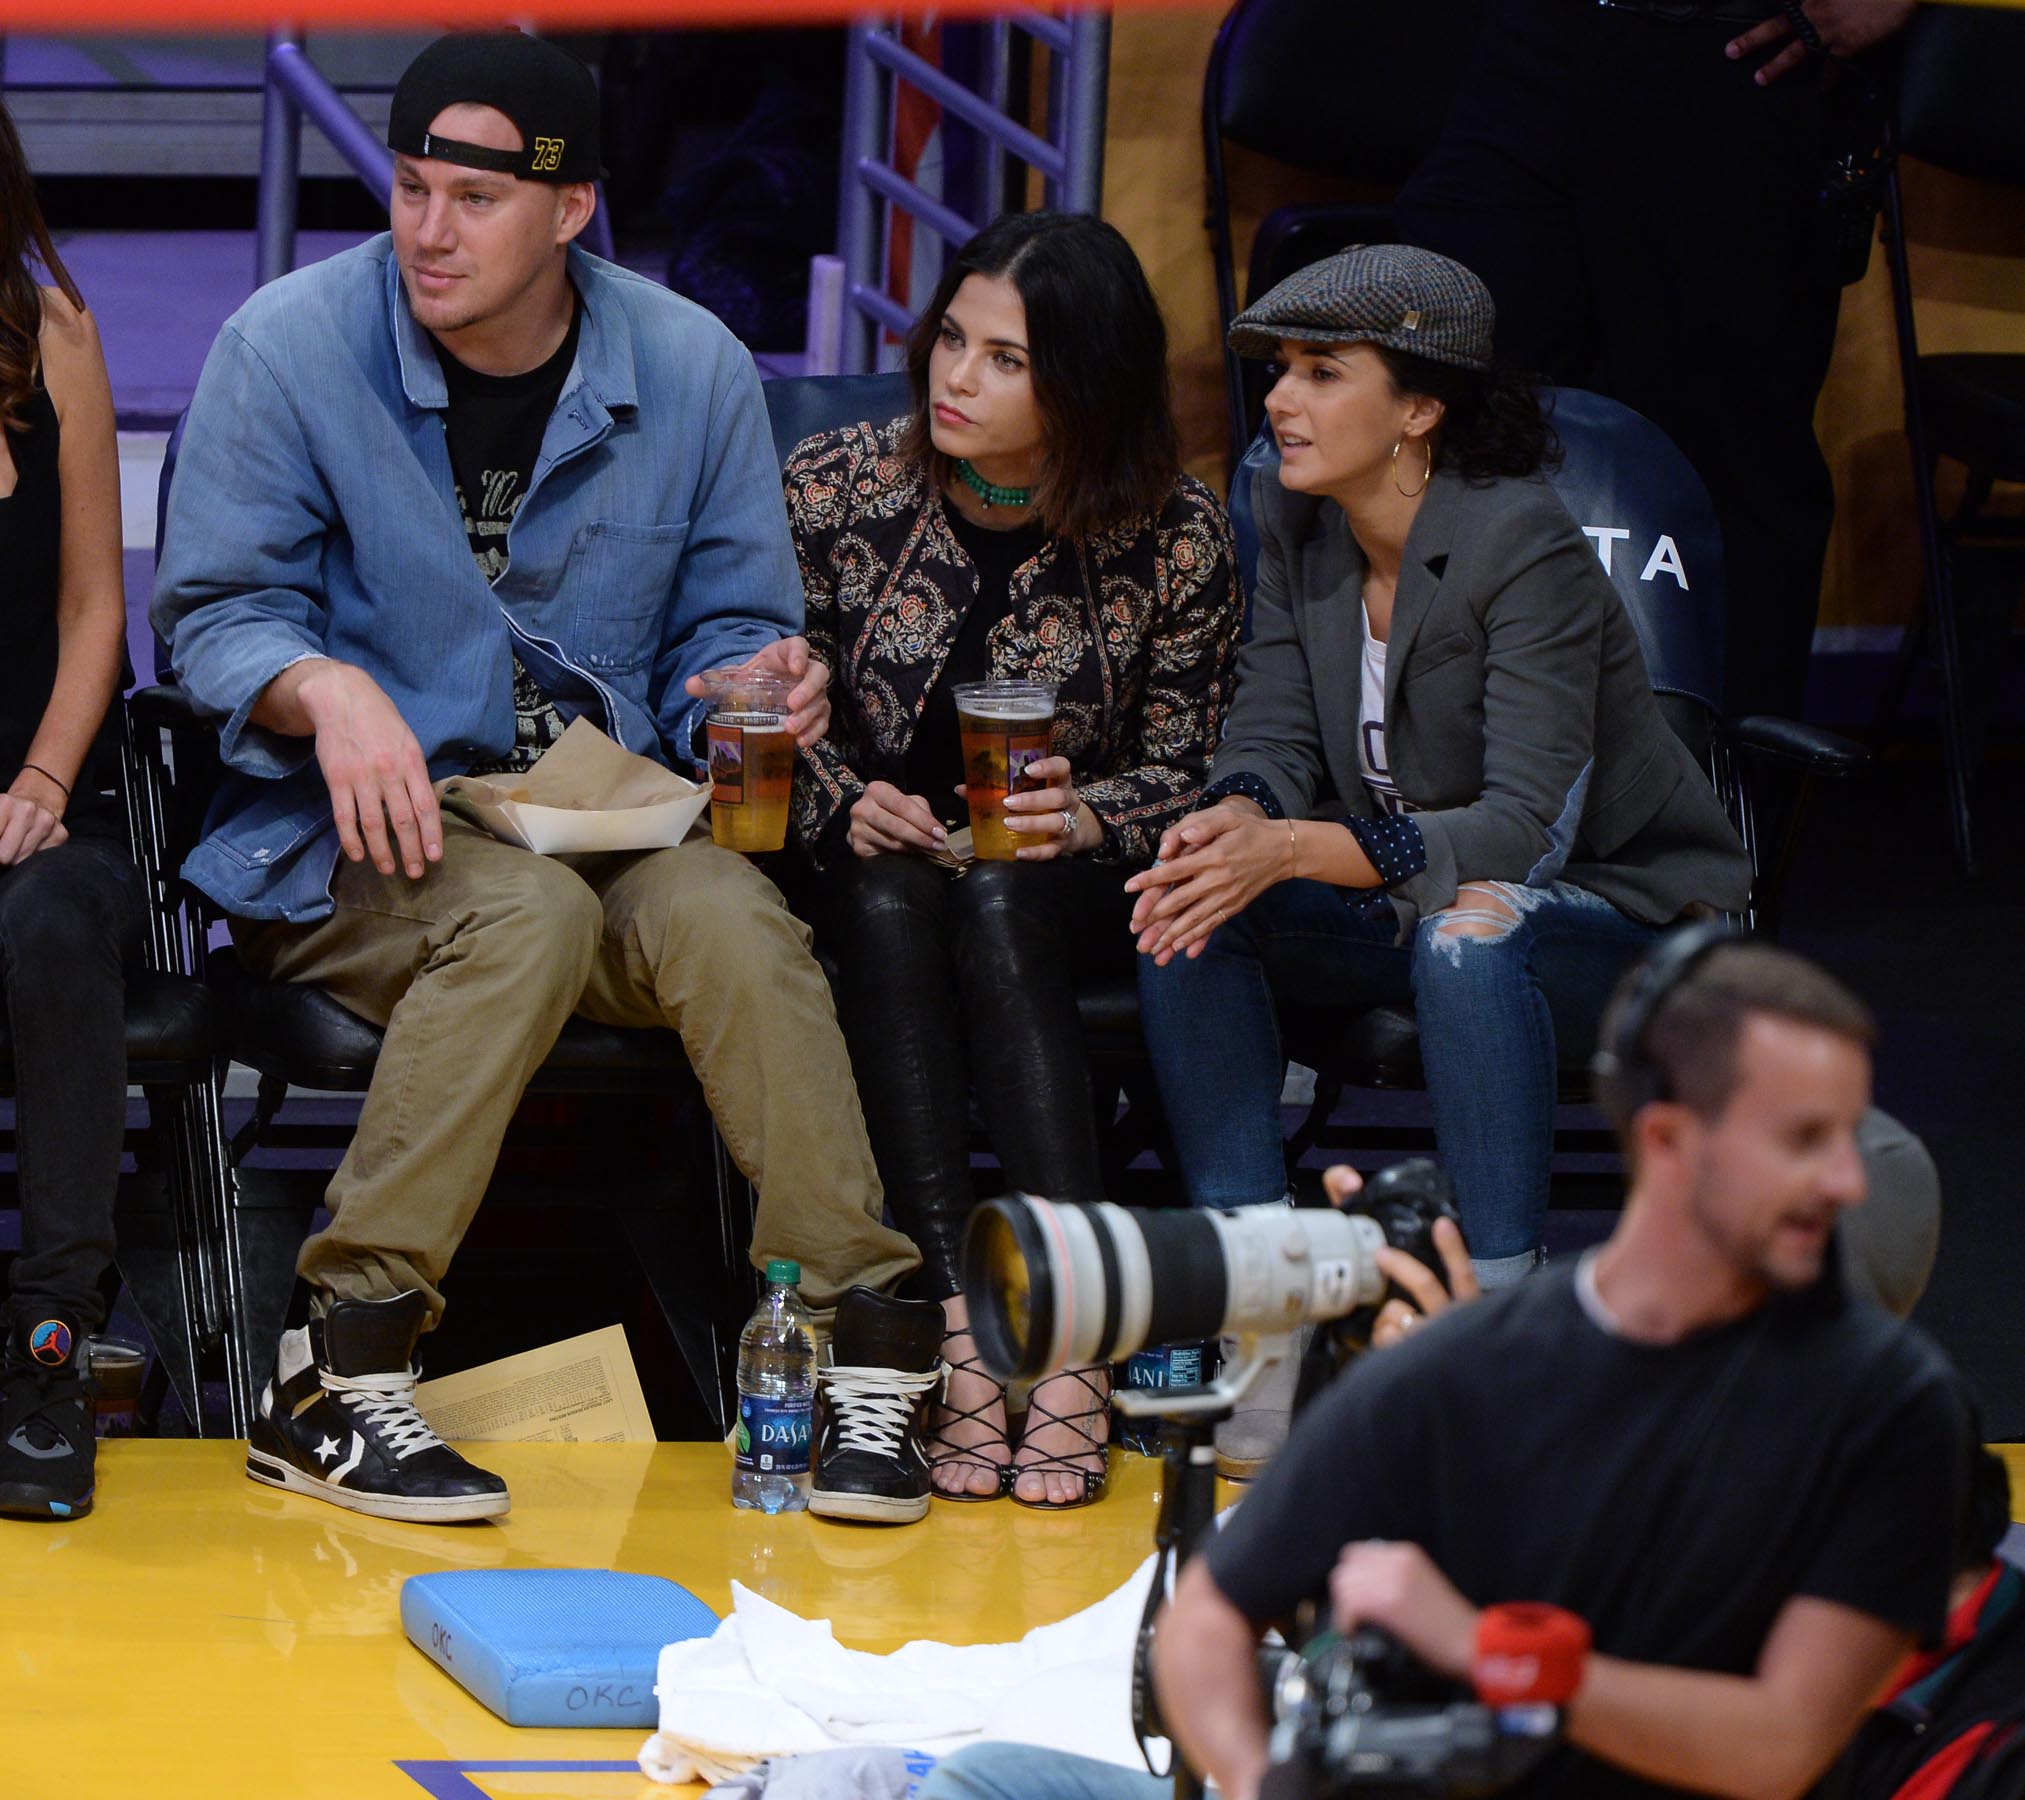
{"x":1528,"y":1654}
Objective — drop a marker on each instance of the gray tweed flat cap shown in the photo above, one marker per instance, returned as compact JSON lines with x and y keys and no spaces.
{"x":1391,"y":294}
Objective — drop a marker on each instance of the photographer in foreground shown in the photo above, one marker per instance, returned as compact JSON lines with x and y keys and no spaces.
{"x":1740,"y":1479}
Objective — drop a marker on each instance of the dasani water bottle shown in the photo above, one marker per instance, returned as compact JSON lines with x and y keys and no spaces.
{"x":776,"y":1394}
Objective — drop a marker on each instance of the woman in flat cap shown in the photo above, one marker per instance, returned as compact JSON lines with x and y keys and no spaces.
{"x":1027,"y":520}
{"x":1444,"y":771}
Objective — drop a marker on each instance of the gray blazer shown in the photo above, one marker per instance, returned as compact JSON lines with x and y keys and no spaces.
{"x":1519,"y":721}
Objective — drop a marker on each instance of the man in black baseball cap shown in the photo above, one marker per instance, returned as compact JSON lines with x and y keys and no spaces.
{"x":439,"y":497}
{"x":495,"y":141}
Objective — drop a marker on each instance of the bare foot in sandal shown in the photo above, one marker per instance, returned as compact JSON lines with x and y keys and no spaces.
{"x":1062,"y":1460}
{"x":968,"y":1451}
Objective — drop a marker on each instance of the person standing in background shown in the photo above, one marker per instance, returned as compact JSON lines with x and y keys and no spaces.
{"x":1640,"y":184}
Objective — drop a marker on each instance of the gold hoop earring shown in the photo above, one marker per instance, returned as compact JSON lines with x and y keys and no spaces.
{"x":1426,"y":477}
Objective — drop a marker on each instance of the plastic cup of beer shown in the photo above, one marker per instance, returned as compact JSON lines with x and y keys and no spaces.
{"x":752,"y":759}
{"x":1004,"y":726}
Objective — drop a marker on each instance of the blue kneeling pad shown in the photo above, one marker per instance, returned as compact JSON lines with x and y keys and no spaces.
{"x":553,"y":1646}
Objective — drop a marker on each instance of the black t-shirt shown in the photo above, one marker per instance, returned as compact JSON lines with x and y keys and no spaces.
{"x":494,"y":425}
{"x":935,"y":752}
{"x":1675,"y":1496}
{"x":31,"y":543}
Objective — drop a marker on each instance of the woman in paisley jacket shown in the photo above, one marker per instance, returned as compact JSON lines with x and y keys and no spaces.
{"x":1028,"y":520}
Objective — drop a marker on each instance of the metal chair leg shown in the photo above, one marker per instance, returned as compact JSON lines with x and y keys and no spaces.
{"x":196,"y":1290}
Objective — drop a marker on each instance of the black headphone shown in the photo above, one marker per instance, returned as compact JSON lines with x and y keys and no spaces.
{"x":1626,"y":1060}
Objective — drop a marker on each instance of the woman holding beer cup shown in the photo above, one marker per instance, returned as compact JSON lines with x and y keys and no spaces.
{"x":1015,"y":584}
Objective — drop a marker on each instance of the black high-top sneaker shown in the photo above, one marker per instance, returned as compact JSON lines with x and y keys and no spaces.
{"x":888,"y":1362}
{"x":48,"y":1454}
{"x":337,"y":1419}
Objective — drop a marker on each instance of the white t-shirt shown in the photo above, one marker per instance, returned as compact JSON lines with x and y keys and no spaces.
{"x":1371,"y":759}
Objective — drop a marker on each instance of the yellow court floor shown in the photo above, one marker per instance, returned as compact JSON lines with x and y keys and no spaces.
{"x":201,"y":1635}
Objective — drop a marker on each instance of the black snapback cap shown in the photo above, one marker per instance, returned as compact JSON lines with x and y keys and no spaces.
{"x":550,"y":97}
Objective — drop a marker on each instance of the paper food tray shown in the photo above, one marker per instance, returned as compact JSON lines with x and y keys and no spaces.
{"x":573,"y":831}
{"x":617,"y":800}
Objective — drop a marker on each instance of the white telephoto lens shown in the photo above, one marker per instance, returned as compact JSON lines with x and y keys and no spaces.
{"x":1289,"y":1267}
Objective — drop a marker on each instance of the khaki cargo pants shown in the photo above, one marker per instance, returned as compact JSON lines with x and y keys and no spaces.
{"x":472,"y":970}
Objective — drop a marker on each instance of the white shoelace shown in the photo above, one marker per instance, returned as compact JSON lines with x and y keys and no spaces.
{"x":387,"y":1403}
{"x":874,"y":1407}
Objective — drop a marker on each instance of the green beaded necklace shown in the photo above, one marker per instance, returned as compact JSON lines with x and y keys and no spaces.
{"x":989,"y":491}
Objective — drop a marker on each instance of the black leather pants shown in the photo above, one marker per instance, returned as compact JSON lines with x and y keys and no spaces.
{"x":946,"y":986}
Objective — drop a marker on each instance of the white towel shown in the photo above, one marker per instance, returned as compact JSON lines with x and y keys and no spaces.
{"x":770,"y":1683}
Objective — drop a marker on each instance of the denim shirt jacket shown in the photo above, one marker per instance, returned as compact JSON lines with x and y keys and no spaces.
{"x":313,"y":513}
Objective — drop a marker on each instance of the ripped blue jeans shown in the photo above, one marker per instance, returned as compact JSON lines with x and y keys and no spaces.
{"x":1496,"y":982}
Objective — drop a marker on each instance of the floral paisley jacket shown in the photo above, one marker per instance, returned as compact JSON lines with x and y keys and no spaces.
{"x":1137,"y":625}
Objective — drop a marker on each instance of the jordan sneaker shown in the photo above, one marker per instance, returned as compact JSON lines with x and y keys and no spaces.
{"x":48,"y":1454}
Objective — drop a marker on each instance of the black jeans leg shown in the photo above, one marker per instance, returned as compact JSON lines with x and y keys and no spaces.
{"x":69,"y":920}
{"x":1023,"y":933}
{"x":885,"y":922}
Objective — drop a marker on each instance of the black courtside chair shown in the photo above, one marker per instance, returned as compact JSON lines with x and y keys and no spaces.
{"x":1959,"y":109}
{"x":295,"y":1037}
{"x":1644,"y":508}
{"x":166,"y":1255}
{"x":1354,"y":90}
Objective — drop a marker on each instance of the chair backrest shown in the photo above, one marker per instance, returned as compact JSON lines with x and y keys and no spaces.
{"x":799,"y":406}
{"x":1357,"y":89}
{"x":1959,"y":101}
{"x":1345,"y":87}
{"x":1640,"y":502}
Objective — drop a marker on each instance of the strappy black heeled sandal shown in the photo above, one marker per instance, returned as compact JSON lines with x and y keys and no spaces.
{"x":943,"y":1454}
{"x":1095,"y":1380}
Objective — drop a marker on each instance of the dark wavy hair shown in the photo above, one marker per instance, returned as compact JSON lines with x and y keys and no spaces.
{"x":20,"y":299}
{"x":1098,"y":360}
{"x":1492,"y":424}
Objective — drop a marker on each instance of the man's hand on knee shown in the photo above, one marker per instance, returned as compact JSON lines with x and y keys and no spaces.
{"x":379,"y":783}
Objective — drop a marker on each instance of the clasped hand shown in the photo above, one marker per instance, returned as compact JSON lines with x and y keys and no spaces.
{"x":1211,"y":866}
{"x":27,"y":826}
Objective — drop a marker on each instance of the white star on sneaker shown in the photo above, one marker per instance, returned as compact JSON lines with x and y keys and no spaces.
{"x":326,"y":1450}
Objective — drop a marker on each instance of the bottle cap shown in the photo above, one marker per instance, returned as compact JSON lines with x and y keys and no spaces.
{"x":781,"y":1268}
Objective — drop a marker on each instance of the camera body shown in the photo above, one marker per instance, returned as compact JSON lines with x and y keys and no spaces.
{"x":1405,"y":1200}
{"x":1360,"y":1716}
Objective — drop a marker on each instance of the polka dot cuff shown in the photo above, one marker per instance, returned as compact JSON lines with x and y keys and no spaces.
{"x":1396,"y":848}
{"x":1250,"y":787}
